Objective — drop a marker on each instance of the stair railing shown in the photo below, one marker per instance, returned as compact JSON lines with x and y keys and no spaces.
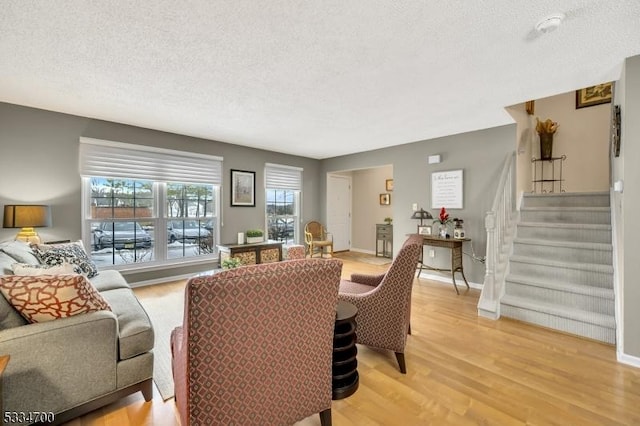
{"x":499,"y":223}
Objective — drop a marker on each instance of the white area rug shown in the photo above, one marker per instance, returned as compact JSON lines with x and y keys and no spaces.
{"x":165,"y":313}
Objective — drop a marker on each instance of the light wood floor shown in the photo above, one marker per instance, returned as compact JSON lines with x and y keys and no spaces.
{"x":462,"y":370}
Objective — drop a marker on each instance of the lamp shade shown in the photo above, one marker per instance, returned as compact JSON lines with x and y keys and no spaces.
{"x":421,"y":214}
{"x":26,"y":216}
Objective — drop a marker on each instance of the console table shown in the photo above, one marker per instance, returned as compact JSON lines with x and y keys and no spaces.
{"x":250,"y":254}
{"x":455,"y":244}
{"x":384,"y":234}
{"x":345,"y":364}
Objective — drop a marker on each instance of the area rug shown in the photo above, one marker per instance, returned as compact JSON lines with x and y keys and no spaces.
{"x":165,"y":313}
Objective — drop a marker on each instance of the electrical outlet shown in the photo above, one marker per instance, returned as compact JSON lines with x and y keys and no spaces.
{"x":414,"y":207}
{"x":432,"y":253}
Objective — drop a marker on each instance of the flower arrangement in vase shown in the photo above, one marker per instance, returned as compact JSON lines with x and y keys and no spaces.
{"x":545,"y":130}
{"x":444,"y":220}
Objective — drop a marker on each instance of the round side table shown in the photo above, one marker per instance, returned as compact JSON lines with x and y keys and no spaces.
{"x":345,"y":363}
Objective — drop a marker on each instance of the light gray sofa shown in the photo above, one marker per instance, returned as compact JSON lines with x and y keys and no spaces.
{"x":73,"y":365}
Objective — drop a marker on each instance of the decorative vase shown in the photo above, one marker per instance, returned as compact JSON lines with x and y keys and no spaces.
{"x":443,"y":231}
{"x":546,"y":146}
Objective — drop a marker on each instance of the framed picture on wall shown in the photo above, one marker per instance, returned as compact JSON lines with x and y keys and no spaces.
{"x":388,"y":184}
{"x":594,"y":95}
{"x":243,"y":188}
{"x":385,"y":199}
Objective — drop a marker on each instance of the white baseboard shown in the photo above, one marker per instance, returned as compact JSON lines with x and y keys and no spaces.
{"x":628,"y":359}
{"x":447,"y":279}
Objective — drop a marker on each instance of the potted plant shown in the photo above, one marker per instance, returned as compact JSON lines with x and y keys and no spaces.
{"x":254,"y":236}
{"x":444,"y":220}
{"x":230,"y":263}
{"x":388,"y":220}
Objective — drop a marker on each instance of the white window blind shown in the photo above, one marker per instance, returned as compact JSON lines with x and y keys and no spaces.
{"x":283,"y":177}
{"x":122,"y":160}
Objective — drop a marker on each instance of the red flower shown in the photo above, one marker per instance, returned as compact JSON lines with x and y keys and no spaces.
{"x":444,"y":215}
{"x":443,"y":218}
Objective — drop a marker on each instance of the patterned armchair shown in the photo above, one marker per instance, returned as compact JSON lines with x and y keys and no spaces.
{"x":316,"y":237}
{"x":256,"y":345}
{"x":384,"y":301}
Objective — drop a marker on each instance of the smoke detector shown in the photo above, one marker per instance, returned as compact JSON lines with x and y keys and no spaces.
{"x":550,"y":23}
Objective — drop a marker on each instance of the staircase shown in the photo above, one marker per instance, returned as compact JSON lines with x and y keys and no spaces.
{"x":560,"y":272}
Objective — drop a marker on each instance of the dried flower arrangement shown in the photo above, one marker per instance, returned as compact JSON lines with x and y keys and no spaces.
{"x":548,"y":126}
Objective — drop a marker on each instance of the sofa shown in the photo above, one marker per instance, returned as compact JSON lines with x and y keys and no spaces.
{"x":74,"y":364}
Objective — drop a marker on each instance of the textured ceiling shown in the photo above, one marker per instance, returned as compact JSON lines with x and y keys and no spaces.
{"x":312,"y":78}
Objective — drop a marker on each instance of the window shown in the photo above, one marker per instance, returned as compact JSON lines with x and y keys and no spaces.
{"x":148,"y":206}
{"x":190,"y":213}
{"x":283,"y":192}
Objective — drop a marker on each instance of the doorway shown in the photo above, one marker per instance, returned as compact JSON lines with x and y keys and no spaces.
{"x":339,"y":210}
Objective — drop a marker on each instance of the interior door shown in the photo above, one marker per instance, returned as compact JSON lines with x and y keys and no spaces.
{"x":339,"y":210}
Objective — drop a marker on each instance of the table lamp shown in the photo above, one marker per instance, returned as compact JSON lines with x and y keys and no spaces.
{"x":26,"y":217}
{"x":421,"y":214}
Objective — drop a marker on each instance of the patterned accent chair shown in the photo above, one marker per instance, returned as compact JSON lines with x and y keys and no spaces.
{"x":256,"y":345}
{"x":295,"y":251}
{"x":317,"y":237}
{"x":384,"y":301}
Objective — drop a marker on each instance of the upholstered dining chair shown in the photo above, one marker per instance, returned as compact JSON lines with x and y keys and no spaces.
{"x":384,"y":301}
{"x":255,"y":346}
{"x":317,"y":237}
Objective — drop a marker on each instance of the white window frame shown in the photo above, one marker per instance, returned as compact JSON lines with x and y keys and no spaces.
{"x":100,"y":158}
{"x":285,"y":178}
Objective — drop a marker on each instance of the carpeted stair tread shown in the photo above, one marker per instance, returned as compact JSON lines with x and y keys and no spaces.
{"x":567,"y":244}
{"x":597,"y":226}
{"x":562,"y":311}
{"x":561,"y":264}
{"x":588,"y":290}
{"x":566,"y":209}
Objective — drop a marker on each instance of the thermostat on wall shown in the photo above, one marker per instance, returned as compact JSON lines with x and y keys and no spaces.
{"x":434,"y":159}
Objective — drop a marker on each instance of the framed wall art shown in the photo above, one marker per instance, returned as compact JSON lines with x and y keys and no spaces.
{"x":243,"y":188}
{"x":594,"y":95}
{"x":446,"y":189}
{"x":389,"y":184}
{"x":385,"y":199}
{"x":615,"y":130}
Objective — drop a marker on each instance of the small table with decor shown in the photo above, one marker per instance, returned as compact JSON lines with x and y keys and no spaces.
{"x":455,"y":245}
{"x":251,"y":254}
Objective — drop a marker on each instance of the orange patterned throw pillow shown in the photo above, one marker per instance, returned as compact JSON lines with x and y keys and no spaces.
{"x":49,"y":297}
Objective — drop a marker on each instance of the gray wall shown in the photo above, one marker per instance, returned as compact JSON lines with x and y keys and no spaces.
{"x":627,"y":205}
{"x":480,"y":154}
{"x":39,"y":164}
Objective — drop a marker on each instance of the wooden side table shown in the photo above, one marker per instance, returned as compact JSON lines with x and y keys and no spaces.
{"x":345,"y":363}
{"x":250,"y":254}
{"x":455,"y":244}
{"x":384,"y":234}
